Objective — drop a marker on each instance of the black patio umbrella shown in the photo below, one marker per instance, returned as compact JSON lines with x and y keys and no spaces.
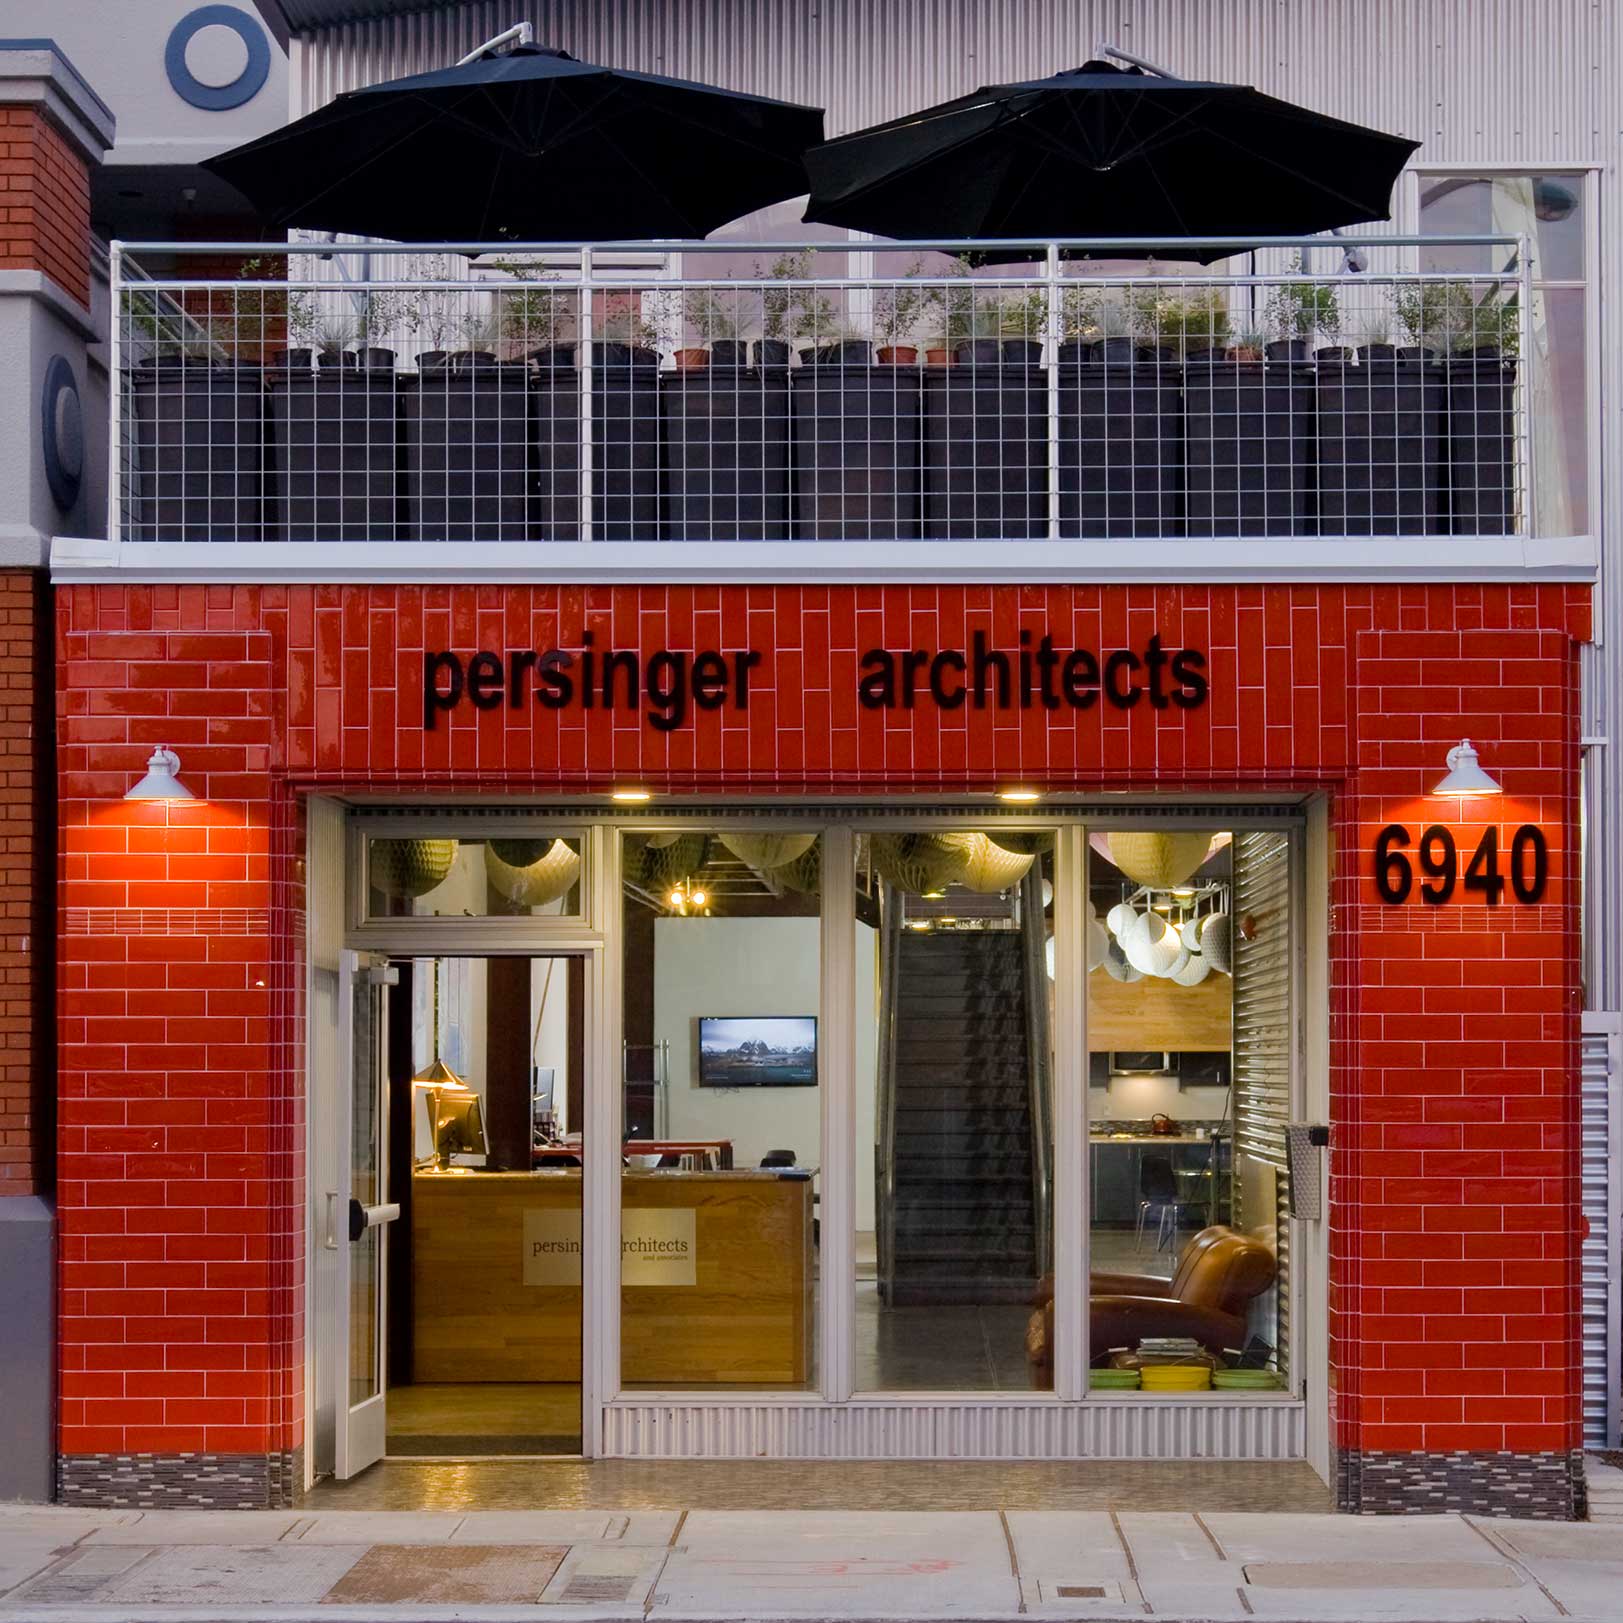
{"x":1106,"y":151}
{"x":531,"y":145}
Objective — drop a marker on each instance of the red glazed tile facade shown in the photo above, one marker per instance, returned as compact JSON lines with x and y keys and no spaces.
{"x":1454,"y":1162}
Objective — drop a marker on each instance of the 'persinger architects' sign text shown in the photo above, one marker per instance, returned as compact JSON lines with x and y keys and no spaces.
{"x":657,"y":1246}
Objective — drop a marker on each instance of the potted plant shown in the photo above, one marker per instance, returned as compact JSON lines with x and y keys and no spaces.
{"x":1183,"y":325}
{"x":1081,"y":307}
{"x":788,"y":307}
{"x":897,"y":312}
{"x":1023,"y":324}
{"x":719,"y":321}
{"x":535,"y":324}
{"x":334,"y":335}
{"x":950,"y":314}
{"x":1297,"y":312}
{"x":1479,"y":373}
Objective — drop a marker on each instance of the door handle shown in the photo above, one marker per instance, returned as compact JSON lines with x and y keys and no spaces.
{"x":362,"y":1218}
{"x":330,"y":1241}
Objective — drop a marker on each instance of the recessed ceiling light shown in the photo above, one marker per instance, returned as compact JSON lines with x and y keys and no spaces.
{"x":1019,"y":796}
{"x":637,"y":795}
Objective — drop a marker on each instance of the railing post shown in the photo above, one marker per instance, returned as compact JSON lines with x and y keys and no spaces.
{"x":1053,"y":336}
{"x":584,"y":378}
{"x":1525,"y":386}
{"x":117,"y":396}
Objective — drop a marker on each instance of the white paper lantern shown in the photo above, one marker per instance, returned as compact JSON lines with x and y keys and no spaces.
{"x":1217,"y":942}
{"x":535,"y":883}
{"x":1153,"y":947}
{"x":1117,"y":967}
{"x":1189,"y":933}
{"x":1098,"y":942}
{"x":768,"y":850}
{"x":990,"y":869}
{"x":1031,"y":843}
{"x":1194,"y":971}
{"x":804,"y":874}
{"x":1048,"y":955}
{"x":1159,"y":860}
{"x":921,"y":862}
{"x":1119,"y":917}
{"x":409,"y":868}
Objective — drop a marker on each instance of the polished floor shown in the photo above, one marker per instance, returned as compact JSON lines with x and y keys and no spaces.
{"x":483,"y":1417}
{"x":862,"y":1485}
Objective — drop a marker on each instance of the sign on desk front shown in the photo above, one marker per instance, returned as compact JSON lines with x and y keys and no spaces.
{"x":657,"y":1246}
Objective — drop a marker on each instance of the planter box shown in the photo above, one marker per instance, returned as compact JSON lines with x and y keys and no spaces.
{"x":725,"y":473}
{"x":985,"y":436}
{"x":1481,"y":394}
{"x":856,"y":453}
{"x":197,"y":452}
{"x":1248,"y":448}
{"x":334,"y":455}
{"x":1380,"y":447}
{"x":466,"y":442}
{"x":625,"y":448}
{"x":1120,"y":447}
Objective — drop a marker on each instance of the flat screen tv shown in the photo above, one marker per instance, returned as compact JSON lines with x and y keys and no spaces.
{"x":758,"y":1051}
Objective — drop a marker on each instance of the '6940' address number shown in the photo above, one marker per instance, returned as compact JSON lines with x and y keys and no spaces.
{"x":1438,"y":859}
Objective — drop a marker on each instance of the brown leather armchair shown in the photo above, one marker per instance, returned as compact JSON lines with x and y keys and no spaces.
{"x":1218,"y":1274}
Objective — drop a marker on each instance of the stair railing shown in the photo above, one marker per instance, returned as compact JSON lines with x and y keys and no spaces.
{"x":1039,"y":1068}
{"x":890,"y":942}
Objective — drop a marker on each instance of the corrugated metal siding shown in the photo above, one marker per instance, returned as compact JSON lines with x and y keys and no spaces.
{"x":1478,"y":81}
{"x":973,"y":1429}
{"x":1264,"y":977}
{"x":1602,"y":1154}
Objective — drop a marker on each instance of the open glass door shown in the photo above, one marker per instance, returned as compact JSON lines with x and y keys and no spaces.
{"x":359,"y":1215}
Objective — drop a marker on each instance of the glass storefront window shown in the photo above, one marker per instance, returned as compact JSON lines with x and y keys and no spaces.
{"x":723,"y":1110}
{"x":954,"y":1090}
{"x":1189,"y":1088}
{"x":446,"y":877}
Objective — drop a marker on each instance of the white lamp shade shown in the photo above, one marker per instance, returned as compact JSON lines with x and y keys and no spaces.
{"x":1193,"y":972}
{"x":1117,"y":967}
{"x":1098,"y":943}
{"x":1180,"y":963}
{"x":990,"y":869}
{"x":1217,"y":941}
{"x":1119,"y":917}
{"x":409,"y":868}
{"x":768,"y":850}
{"x":161,"y":781}
{"x":1189,"y":933}
{"x":1465,"y":775}
{"x":535,"y":883}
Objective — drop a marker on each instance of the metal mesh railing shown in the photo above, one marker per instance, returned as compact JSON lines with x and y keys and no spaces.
{"x":380,"y":394}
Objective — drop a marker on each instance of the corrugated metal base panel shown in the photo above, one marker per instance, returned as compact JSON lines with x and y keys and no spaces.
{"x":967,"y":1430}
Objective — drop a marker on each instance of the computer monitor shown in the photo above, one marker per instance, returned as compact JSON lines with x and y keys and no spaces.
{"x":459,"y":1127}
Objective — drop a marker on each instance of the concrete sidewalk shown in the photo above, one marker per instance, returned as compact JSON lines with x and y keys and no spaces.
{"x":422,"y":1566}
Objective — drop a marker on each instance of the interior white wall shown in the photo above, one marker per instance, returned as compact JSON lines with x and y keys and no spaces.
{"x":1135,"y":1097}
{"x":549,"y":1034}
{"x":755,"y":966}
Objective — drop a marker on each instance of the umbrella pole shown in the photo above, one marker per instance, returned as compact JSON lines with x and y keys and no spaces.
{"x":518,"y":34}
{"x":1135,"y":61}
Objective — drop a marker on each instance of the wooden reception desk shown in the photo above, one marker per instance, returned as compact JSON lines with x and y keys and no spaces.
{"x":743,"y":1238}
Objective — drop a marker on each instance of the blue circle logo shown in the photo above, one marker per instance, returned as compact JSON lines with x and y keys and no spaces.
{"x":217,"y":98}
{"x":62,"y":433}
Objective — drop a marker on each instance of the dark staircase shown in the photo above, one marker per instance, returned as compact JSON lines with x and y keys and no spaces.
{"x":960,"y":1215}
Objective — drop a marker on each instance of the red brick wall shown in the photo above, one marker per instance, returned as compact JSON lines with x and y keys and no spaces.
{"x":27,"y":902}
{"x":180,"y":1087}
{"x":44,"y":201}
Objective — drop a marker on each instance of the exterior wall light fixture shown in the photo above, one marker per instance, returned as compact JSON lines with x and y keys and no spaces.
{"x":1465,"y":776}
{"x":162,"y":780}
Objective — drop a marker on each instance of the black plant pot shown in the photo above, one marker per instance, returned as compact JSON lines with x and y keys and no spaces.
{"x":625,"y":447}
{"x":1380,"y":446}
{"x":331,"y":360}
{"x":848,"y":352}
{"x":334,"y":454}
{"x":1248,"y":448}
{"x":550,"y":356}
{"x":428,"y":359}
{"x":856,"y":451}
{"x":611,"y":355}
{"x":979,"y":352}
{"x":1481,"y":390}
{"x":1286,"y":349}
{"x":466,"y":450}
{"x":1119,"y":349}
{"x":294,"y":359}
{"x":198,"y":433}
{"x":1335,"y":352}
{"x":729,"y":352}
{"x":1377,"y":352}
{"x":1120,"y":445}
{"x":771,"y":352}
{"x":376,"y":359}
{"x":1022,"y":352}
{"x":725,"y":454}
{"x":985,"y":440}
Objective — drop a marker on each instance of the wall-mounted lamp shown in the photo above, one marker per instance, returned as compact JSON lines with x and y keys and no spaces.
{"x":1465,"y":775}
{"x":162,"y":780}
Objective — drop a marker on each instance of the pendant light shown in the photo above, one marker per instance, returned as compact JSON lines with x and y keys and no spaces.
{"x":162,"y":780}
{"x":1464,"y":777}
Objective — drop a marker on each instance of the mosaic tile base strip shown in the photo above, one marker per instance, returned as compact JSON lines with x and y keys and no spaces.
{"x":181,"y":1481}
{"x":1543,"y":1487}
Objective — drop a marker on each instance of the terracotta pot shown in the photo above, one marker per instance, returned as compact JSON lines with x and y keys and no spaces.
{"x":691,"y":359}
{"x":1243,"y":352}
{"x":938,"y":357}
{"x":898,"y":355}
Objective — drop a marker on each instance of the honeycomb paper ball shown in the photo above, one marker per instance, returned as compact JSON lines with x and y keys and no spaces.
{"x":1217,"y":942}
{"x":804,"y":875}
{"x":673,"y":858}
{"x":1189,"y":933}
{"x":1159,"y":860}
{"x":1153,"y":946}
{"x":921,"y":862}
{"x":1120,"y":917}
{"x":768,"y":850}
{"x":991,"y":869}
{"x":1117,"y":967}
{"x":519,"y":853}
{"x":1025,"y":843}
{"x":533,"y":884}
{"x":1098,"y":942}
{"x":1194,"y":971}
{"x":410,"y":868}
